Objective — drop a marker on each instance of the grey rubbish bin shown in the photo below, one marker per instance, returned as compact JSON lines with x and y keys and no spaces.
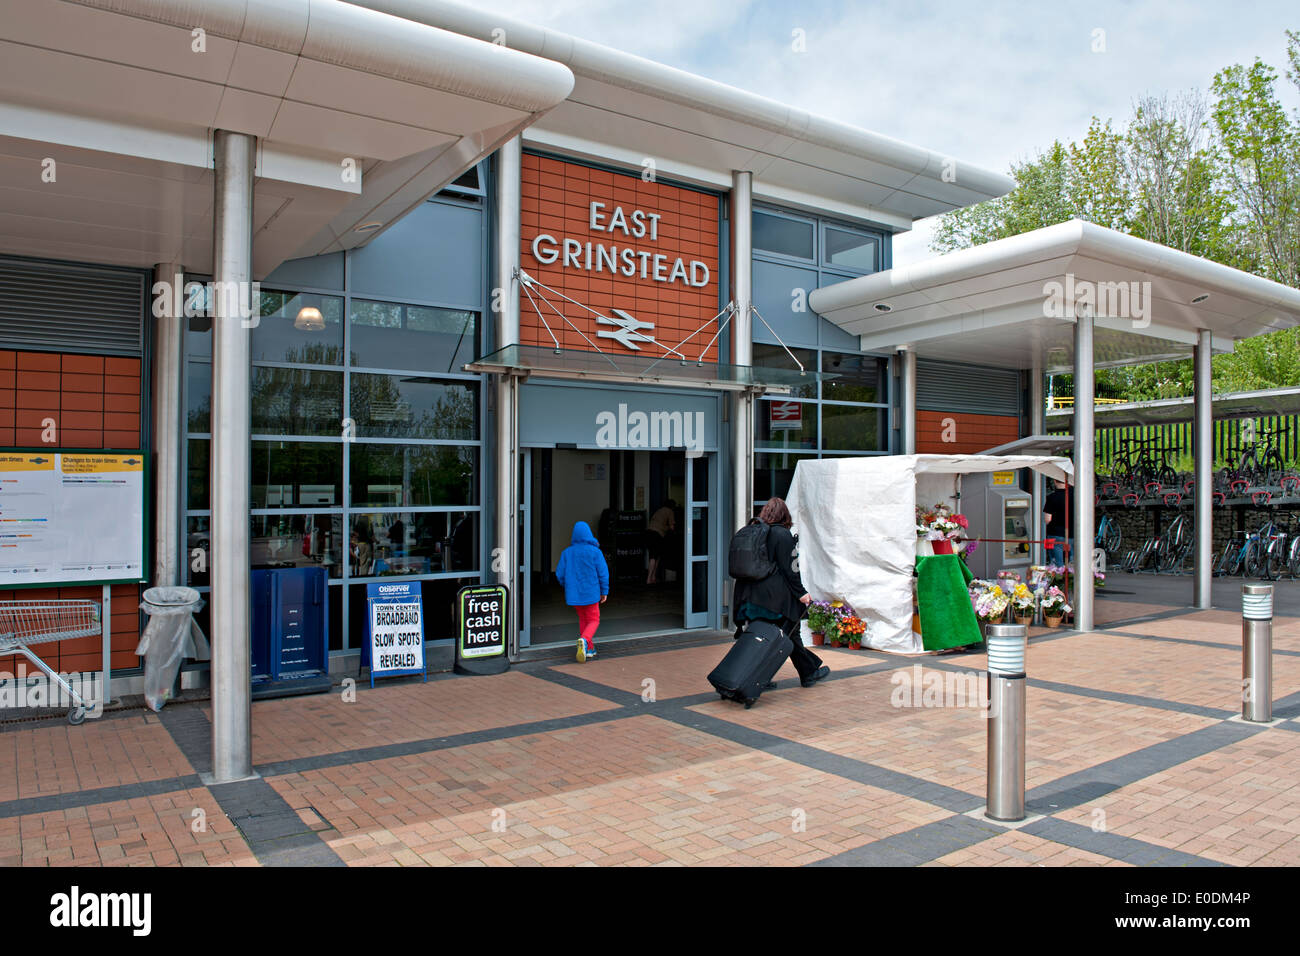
{"x":171,"y":635}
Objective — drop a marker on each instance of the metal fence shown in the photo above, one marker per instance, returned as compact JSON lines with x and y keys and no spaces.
{"x":1177,"y":438}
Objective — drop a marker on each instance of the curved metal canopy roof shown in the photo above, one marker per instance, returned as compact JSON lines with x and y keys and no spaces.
{"x":1012,"y":303}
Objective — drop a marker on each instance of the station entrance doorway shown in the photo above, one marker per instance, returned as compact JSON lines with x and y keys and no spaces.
{"x":626,"y":497}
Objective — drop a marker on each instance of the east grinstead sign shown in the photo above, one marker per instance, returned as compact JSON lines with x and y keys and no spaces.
{"x":642,"y":254}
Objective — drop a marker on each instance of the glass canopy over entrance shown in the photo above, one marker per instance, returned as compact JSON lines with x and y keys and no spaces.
{"x":644,"y":369}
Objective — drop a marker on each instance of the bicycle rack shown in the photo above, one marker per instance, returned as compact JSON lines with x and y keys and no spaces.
{"x":1173,"y":499}
{"x":1220,"y":498}
{"x":1152,"y":488}
{"x":1189,"y":486}
{"x":1111,"y":489}
{"x":1239,"y":486}
{"x":1294,"y":482}
{"x":1261,"y":497}
{"x":1131,"y":500}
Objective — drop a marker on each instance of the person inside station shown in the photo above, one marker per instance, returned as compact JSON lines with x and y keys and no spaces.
{"x":1054,"y":523}
{"x":662,"y":524}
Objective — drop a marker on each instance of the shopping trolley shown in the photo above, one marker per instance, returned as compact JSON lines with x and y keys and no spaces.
{"x":25,"y":623}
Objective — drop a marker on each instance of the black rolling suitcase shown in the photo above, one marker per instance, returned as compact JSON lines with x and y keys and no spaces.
{"x":751,"y":663}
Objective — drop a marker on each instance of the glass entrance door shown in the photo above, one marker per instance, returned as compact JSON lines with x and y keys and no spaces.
{"x":525,"y":544}
{"x":699,"y":535}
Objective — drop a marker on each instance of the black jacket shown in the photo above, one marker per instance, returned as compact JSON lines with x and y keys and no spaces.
{"x":779,"y":591}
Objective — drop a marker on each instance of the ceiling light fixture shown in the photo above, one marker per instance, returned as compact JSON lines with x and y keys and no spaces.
{"x":309,"y":319}
{"x":370,"y":226}
{"x":884,"y":307}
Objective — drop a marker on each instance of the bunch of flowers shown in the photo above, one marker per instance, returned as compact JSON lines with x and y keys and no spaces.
{"x":1037,"y":574}
{"x":1099,"y":578}
{"x":820,"y":615}
{"x":939,"y":522}
{"x":1008,"y":579}
{"x":1054,"y":604}
{"x":851,"y":630}
{"x":1023,"y":600}
{"x":991,"y":604}
{"x":1059,"y":575}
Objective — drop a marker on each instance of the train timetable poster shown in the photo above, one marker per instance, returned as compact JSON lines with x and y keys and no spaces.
{"x":71,"y":517}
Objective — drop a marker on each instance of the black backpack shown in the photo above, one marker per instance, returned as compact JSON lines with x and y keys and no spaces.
{"x":748,"y":557}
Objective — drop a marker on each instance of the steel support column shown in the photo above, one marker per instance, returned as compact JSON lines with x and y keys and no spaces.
{"x":232,"y":249}
{"x":505,"y":557}
{"x":1036,"y":411}
{"x":742,"y":342}
{"x":907,"y":401}
{"x":169,"y":281}
{"x":1084,"y":529}
{"x":1203,"y":451}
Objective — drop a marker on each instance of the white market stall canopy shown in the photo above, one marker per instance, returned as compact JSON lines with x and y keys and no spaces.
{"x":856,"y":522}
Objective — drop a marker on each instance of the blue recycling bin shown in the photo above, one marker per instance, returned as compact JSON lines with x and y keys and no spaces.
{"x":290,"y":639}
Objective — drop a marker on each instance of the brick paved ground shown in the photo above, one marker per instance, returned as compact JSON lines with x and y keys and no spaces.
{"x":1133,"y":758}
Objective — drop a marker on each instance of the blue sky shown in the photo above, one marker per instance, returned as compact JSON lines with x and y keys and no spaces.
{"x":988,"y":83}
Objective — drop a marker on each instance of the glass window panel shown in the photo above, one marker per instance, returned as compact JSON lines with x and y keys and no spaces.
{"x":860,"y":377}
{"x":288,"y":474}
{"x":396,"y":406}
{"x":788,"y":424}
{"x":787,"y":237}
{"x":390,"y":476}
{"x":337,"y":634}
{"x":387,"y":543}
{"x":390,"y":335}
{"x":699,"y":587}
{"x":773,"y":473}
{"x":296,"y":401}
{"x":297,"y":541}
{"x":850,"y":250}
{"x":197,"y":477}
{"x":700,"y":478}
{"x":198,"y":337}
{"x":198,"y":416}
{"x":774,"y":356}
{"x":197,"y":538}
{"x":699,"y":531}
{"x":287,"y":333}
{"x":853,"y":428}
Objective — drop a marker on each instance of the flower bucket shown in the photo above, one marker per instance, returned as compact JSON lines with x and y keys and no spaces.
{"x":924,"y":548}
{"x":818,"y":638}
{"x":942,"y":546}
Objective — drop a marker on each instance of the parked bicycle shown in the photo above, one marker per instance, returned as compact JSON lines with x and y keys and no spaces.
{"x":1254,"y":466}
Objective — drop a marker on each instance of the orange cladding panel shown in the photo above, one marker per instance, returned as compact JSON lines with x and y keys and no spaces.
{"x":613,"y":241}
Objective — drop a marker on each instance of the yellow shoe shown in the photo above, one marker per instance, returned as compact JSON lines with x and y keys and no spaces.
{"x":582,"y":651}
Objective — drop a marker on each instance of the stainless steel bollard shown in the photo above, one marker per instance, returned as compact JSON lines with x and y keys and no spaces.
{"x":1257,"y":653}
{"x":1005,"y":781}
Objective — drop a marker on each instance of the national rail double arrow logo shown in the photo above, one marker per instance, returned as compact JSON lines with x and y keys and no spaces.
{"x":628,"y":330}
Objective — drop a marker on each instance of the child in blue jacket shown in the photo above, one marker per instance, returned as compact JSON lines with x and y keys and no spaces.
{"x":585,"y":576}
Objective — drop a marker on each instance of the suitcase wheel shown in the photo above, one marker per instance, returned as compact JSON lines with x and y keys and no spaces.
{"x":749,"y":704}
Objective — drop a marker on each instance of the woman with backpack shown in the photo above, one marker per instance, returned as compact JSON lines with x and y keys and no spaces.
{"x":774,"y":592}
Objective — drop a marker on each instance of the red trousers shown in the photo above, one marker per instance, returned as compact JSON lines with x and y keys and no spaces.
{"x":588,"y":621}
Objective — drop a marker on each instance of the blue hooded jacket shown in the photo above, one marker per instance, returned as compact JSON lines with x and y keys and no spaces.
{"x":582,"y":569}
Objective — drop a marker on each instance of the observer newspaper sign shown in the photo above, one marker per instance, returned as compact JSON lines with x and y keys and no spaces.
{"x":396,"y":619}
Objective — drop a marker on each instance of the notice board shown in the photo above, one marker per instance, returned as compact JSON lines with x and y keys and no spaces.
{"x":72,"y":517}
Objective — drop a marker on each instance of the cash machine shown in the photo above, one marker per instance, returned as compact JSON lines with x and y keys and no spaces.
{"x":998,"y":508}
